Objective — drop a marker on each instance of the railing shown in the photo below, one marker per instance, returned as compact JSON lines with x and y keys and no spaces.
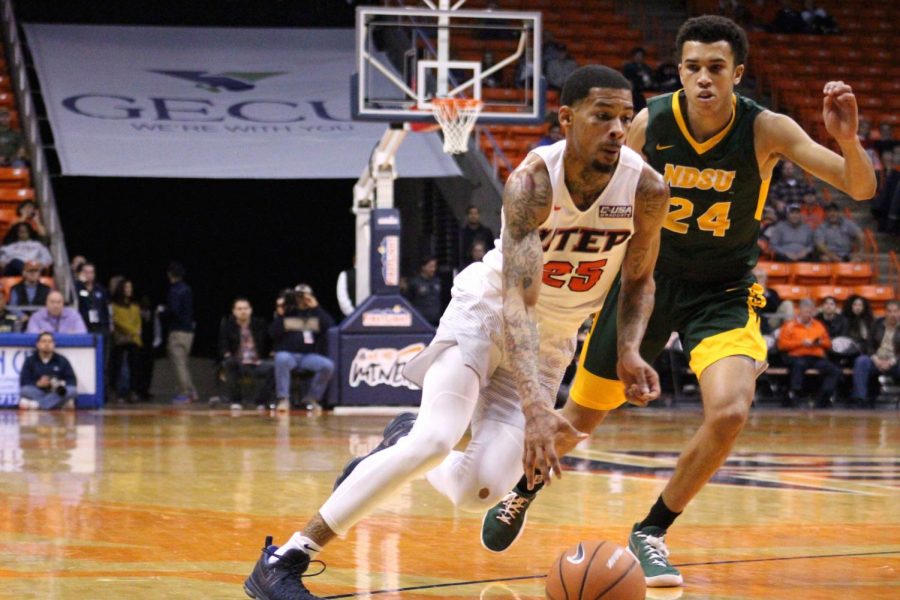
{"x":870,"y":249}
{"x":894,"y":272}
{"x":39,"y":171}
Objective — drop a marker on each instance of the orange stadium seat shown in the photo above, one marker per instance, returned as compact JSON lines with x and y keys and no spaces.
{"x":15,"y":195}
{"x":809,"y":273}
{"x":778,"y":273}
{"x":838,"y":292}
{"x":8,"y":283}
{"x":792,"y":292}
{"x":852,"y":273}
{"x":877,"y":295}
{"x":12,"y":177}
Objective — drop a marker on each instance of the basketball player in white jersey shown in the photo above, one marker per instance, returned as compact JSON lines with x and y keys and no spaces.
{"x":574,"y":213}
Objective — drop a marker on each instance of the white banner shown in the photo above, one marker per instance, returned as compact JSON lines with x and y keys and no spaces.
{"x":211,"y":103}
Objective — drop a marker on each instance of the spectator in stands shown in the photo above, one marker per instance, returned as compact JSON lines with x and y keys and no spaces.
{"x":76,"y":263}
{"x":817,"y":19}
{"x":885,"y":141}
{"x":789,"y":189}
{"x":244,"y":349}
{"x":10,"y":322}
{"x":300,"y":343}
{"x":178,"y":316}
{"x":559,"y":67}
{"x":47,"y":380}
{"x":471,"y":231}
{"x":831,"y":318}
{"x":554,"y":131}
{"x":93,"y":301}
{"x":838,"y":238}
{"x":812,"y":210}
{"x":640,"y":75}
{"x":487,"y":61}
{"x":30,"y":291}
{"x":346,"y":289}
{"x":424,"y":290}
{"x":769,"y":218}
{"x":880,"y":354}
{"x":789,"y":19}
{"x":864,"y":133}
{"x":126,"y":342}
{"x":666,"y":78}
{"x":23,"y":247}
{"x":776,"y":310}
{"x":27,"y":212}
{"x":12,"y":148}
{"x":886,"y":206}
{"x":858,"y":313}
{"x":804,"y":340}
{"x":792,"y":240}
{"x":478,"y":251}
{"x":55,"y":317}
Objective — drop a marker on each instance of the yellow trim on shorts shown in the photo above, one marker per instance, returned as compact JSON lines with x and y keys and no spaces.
{"x":746,"y":341}
{"x":592,"y":391}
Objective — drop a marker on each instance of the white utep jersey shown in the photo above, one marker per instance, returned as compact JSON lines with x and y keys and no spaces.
{"x":583,"y":250}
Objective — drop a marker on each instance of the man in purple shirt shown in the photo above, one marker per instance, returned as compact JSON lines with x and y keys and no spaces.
{"x":56,"y":318}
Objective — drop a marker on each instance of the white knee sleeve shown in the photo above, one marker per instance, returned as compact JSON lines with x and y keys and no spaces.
{"x":449,"y":396}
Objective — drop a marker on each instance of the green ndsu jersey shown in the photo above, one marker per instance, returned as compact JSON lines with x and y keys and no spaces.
{"x":717,"y":193}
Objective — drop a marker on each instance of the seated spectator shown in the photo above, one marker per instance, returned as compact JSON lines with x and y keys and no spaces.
{"x":244,"y":349}
{"x":831,"y":318}
{"x":424,"y":291}
{"x":30,"y":291}
{"x":769,"y":218}
{"x":10,"y":322}
{"x":789,"y":20}
{"x":12,"y":148}
{"x":858,"y":313}
{"x":812,"y":210}
{"x":886,"y":141}
{"x":790,"y":188}
{"x":126,"y":343}
{"x":880,"y":354}
{"x":55,"y":317}
{"x":666,"y":78}
{"x":471,"y":231}
{"x":792,"y":240}
{"x":804,"y":340}
{"x":559,"y":67}
{"x":93,"y":301}
{"x":24,"y":246}
{"x":27,"y":212}
{"x":776,"y":311}
{"x":554,"y":132}
{"x":299,"y":339}
{"x":640,"y":75}
{"x":838,"y":239}
{"x":47,"y":380}
{"x":817,"y":19}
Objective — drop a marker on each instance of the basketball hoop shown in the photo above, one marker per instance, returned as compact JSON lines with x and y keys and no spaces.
{"x":456,"y":117}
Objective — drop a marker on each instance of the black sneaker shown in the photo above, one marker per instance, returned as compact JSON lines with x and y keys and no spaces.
{"x":281,"y":580}
{"x":400,"y":426}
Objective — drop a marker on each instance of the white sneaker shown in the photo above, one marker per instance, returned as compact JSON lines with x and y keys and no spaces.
{"x":237,"y":406}
{"x":28,"y":404}
{"x":69,"y":404}
{"x":284,"y":405}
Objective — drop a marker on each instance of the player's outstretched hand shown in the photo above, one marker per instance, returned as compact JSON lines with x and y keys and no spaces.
{"x":543,"y":426}
{"x":640,"y":379}
{"x":840,"y":111}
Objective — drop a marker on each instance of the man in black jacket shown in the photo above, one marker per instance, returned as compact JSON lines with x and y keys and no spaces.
{"x":244,"y":347}
{"x":299,"y":341}
{"x":47,"y":379}
{"x":881,"y":354}
{"x":30,"y":291}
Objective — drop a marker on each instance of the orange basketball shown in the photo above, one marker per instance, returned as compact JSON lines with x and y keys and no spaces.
{"x":598,"y":570}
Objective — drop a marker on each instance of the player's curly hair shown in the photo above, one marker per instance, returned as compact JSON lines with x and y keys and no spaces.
{"x":713,"y":28}
{"x":580,"y":81}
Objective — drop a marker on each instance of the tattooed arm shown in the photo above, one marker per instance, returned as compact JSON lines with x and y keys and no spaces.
{"x":527,"y":200}
{"x":638,"y":288}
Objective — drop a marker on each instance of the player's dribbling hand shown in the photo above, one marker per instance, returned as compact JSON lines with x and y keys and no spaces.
{"x":543,"y":426}
{"x":640,"y":379}
{"x":840,"y":111}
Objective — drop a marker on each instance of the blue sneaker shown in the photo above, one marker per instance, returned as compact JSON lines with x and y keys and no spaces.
{"x":280,"y":580}
{"x":400,"y":426}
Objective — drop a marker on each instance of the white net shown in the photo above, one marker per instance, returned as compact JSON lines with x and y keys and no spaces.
{"x":457,"y":117}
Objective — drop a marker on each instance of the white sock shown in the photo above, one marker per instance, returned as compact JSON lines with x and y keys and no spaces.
{"x":298,"y":541}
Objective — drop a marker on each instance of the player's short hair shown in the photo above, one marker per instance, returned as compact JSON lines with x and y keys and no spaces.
{"x":579,"y":83}
{"x":709,"y":29}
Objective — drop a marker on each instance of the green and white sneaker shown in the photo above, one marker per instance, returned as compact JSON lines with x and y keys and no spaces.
{"x":648,"y":545}
{"x":505,"y":522}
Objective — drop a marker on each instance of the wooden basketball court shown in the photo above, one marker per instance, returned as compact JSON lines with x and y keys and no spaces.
{"x":160,"y":503}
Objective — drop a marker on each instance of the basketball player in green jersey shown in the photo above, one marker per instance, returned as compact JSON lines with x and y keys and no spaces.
{"x":716,"y":150}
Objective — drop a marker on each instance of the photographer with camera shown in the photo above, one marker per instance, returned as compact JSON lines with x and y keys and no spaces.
{"x":298,"y":337}
{"x":47,"y":380}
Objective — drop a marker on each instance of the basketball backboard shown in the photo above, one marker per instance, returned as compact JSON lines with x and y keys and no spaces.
{"x":408,"y":56}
